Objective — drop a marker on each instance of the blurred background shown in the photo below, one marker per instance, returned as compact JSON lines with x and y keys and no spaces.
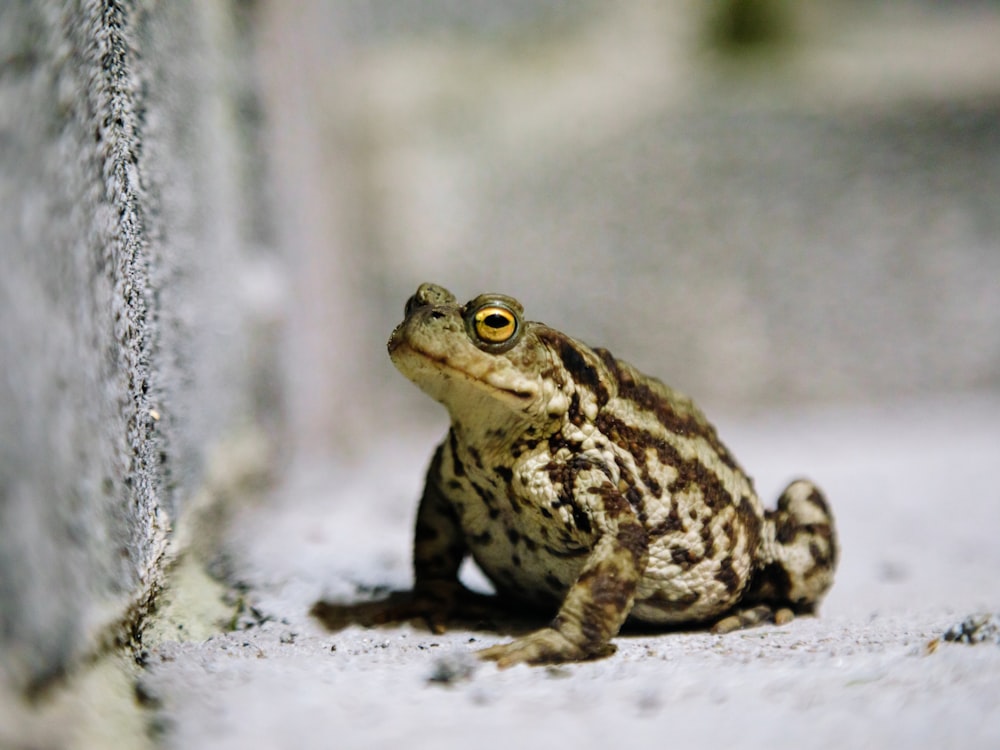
{"x":763,"y":202}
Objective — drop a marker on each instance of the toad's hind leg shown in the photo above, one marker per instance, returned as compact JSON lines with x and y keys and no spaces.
{"x":798,"y":557}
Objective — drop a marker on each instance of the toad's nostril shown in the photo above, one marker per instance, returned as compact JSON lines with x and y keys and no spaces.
{"x":437,"y":315}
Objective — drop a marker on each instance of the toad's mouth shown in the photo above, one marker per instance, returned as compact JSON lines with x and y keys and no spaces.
{"x":433,"y":367}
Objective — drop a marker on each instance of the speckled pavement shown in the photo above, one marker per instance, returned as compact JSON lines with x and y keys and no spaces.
{"x":918,"y":507}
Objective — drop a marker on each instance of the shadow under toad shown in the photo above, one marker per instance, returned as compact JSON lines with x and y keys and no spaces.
{"x":474,"y":612}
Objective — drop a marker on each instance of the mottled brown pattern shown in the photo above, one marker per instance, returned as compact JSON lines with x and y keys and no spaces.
{"x":581,"y":370}
{"x":728,"y":576}
{"x":573,"y":479}
{"x":574,"y":414}
{"x":690,"y":472}
{"x":581,"y":521}
{"x":683,"y":557}
{"x":473,"y":452}
{"x":481,"y":539}
{"x":612,"y":501}
{"x":669,"y":526}
{"x":484,"y":495}
{"x":633,"y":538}
{"x":456,"y":467}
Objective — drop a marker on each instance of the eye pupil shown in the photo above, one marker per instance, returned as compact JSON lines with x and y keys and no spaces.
{"x":494,"y":325}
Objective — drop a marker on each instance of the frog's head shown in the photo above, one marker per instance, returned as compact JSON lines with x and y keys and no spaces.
{"x":477,"y":359}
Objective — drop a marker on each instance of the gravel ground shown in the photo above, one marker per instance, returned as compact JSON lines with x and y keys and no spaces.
{"x":918,"y":509}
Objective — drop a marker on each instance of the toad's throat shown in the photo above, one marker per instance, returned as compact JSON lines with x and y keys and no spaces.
{"x":443,"y":366}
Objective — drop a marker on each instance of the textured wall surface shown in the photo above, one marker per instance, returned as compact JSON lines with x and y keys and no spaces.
{"x":133,"y":302}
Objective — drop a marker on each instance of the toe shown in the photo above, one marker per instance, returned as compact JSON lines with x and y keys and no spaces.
{"x":546,"y":646}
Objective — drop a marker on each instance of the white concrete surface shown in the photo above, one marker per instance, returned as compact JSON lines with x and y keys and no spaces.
{"x":914,"y":488}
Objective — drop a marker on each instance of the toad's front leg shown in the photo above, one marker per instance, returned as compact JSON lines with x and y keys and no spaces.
{"x":595,"y":606}
{"x":438,"y":550}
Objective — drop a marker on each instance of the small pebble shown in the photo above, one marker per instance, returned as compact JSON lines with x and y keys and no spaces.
{"x":452,"y":668}
{"x":978,"y":628}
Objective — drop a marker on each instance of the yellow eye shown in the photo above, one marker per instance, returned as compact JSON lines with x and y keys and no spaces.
{"x":494,"y":325}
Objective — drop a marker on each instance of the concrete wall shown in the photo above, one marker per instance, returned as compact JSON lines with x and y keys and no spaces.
{"x":136,"y":303}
